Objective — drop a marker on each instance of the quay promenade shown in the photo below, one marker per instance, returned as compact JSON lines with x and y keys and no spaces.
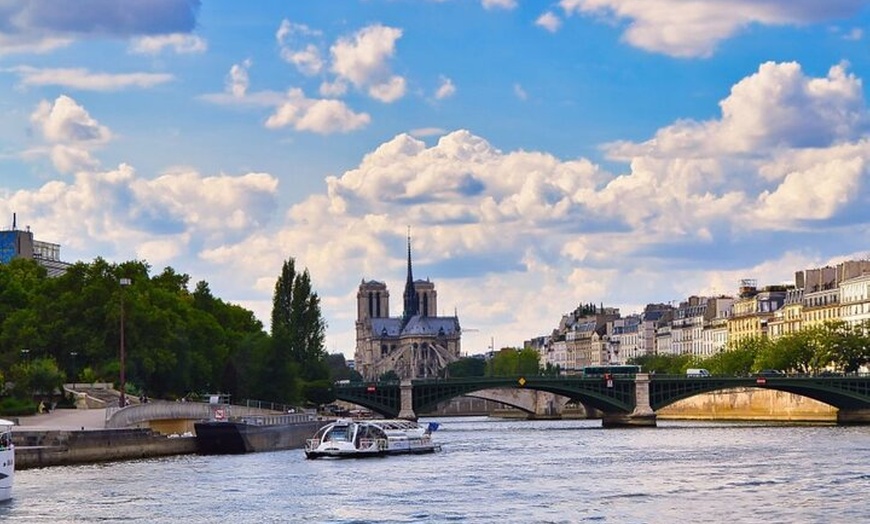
{"x":80,"y":436}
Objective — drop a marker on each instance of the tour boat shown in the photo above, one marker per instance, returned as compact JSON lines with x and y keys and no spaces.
{"x":7,"y":459}
{"x":347,"y":438}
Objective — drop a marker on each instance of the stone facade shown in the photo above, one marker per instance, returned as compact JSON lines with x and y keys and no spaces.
{"x":418,"y":344}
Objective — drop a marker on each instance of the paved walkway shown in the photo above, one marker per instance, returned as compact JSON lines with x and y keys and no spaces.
{"x":63,"y":419}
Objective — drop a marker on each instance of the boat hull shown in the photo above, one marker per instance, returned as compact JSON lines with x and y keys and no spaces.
{"x":316,"y":454}
{"x":232,"y":438}
{"x":7,"y":460}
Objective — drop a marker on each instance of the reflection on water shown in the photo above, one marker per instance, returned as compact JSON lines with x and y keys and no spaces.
{"x":488,"y":471}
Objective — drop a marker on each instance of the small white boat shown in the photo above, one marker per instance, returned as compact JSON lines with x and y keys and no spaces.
{"x":347,"y":438}
{"x":7,"y":459}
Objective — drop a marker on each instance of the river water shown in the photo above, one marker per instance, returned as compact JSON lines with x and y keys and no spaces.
{"x":489,"y":470}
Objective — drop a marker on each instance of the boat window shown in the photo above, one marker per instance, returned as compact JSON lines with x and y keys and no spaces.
{"x":338,"y":433}
{"x":5,"y":440}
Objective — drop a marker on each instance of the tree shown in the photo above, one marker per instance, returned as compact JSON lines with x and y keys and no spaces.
{"x":466,"y":367}
{"x":298,"y":333}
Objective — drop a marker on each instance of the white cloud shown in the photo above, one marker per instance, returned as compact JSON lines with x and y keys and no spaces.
{"x":180,"y":43}
{"x":389,"y":91}
{"x":237,"y":79}
{"x":520,"y":93}
{"x":779,"y":106}
{"x":855,"y":34}
{"x":499,"y":4}
{"x":693,"y":29}
{"x":86,"y":80}
{"x":71,"y":133}
{"x":549,"y":21}
{"x":318,"y":116}
{"x":363,"y":60}
{"x":64,"y":121}
{"x":427,"y":131}
{"x":236,"y":90}
{"x":446,"y":89}
{"x":26,"y":44}
{"x":116,"y":211}
{"x":307,"y":58}
{"x":333,"y":89}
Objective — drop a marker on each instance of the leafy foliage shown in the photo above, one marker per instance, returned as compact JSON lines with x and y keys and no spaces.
{"x":68,"y":328}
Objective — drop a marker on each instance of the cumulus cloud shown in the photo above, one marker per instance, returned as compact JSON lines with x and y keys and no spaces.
{"x":86,"y":80}
{"x":65,"y":121}
{"x":71,"y":133}
{"x":549,"y":21}
{"x":117,"y":210}
{"x":43,"y":25}
{"x":363,"y":61}
{"x":778,"y":106}
{"x":696,"y":192}
{"x":179,"y":43}
{"x":676,"y":28}
{"x":322,"y":116}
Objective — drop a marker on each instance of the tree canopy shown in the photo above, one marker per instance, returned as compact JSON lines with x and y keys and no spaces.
{"x":177,"y":341}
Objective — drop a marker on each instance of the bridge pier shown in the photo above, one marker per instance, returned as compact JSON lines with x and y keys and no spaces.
{"x":406,"y":400}
{"x":641,"y":416}
{"x":853,"y":417}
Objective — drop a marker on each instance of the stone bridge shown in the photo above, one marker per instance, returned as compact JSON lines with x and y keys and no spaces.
{"x":176,"y":417}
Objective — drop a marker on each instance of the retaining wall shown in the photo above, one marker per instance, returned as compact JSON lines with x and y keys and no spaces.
{"x":36,"y":449}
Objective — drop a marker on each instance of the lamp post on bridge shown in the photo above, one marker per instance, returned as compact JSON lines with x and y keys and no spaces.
{"x":122,"y":399}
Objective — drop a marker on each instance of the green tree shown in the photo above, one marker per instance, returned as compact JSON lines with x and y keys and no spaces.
{"x":738,"y":359}
{"x":298,"y":333}
{"x":466,"y":367}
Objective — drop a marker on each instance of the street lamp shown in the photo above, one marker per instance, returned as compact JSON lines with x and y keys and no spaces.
{"x":122,"y":400}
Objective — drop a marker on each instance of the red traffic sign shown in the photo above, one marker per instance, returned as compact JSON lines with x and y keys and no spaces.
{"x":761,"y":381}
{"x":371,"y":389}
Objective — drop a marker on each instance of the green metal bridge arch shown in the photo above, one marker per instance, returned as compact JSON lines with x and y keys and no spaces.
{"x":619,"y":396}
{"x":385,"y":397}
{"x":844,"y":393}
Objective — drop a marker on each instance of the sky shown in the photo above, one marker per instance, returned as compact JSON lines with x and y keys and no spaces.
{"x":543,"y":154}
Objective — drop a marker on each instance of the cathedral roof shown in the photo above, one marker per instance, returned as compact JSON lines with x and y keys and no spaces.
{"x":417,"y":325}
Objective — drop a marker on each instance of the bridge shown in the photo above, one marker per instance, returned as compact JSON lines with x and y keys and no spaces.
{"x":623,"y":400}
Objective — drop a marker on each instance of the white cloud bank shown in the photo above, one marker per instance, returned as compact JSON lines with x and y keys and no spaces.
{"x":512,"y":239}
{"x":693,"y":29}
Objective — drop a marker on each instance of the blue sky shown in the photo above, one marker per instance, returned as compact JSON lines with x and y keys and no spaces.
{"x":544,"y":154}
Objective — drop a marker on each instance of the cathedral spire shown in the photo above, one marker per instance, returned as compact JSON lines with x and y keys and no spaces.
{"x":410,"y":296}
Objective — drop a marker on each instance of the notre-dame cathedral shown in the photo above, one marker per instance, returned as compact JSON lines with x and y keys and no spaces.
{"x":417,"y":344}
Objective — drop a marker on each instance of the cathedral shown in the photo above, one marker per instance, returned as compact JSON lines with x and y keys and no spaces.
{"x":417,"y":344}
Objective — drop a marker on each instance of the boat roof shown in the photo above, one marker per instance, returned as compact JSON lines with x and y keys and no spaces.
{"x":381,"y":423}
{"x":4,"y":422}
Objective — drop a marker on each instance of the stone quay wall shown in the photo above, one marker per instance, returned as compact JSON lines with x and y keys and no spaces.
{"x":36,"y":449}
{"x":752,"y":404}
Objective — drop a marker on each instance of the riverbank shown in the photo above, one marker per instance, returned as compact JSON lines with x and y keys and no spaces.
{"x":79,"y":436}
{"x":41,"y":448}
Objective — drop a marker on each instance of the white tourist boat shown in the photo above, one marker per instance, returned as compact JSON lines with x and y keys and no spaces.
{"x":7,"y":459}
{"x":348,"y":438}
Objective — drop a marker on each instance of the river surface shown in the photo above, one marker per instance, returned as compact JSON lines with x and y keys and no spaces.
{"x":489,"y":470}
